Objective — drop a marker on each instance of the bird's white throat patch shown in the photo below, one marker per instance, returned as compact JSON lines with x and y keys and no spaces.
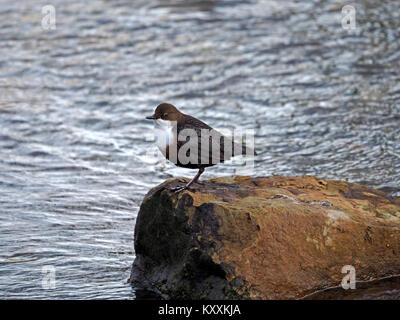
{"x":164,"y":130}
{"x":164,"y":123}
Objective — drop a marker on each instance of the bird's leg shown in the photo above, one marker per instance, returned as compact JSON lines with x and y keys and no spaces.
{"x":196,"y":177}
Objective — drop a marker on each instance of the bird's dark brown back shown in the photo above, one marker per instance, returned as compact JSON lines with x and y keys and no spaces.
{"x":207,"y":148}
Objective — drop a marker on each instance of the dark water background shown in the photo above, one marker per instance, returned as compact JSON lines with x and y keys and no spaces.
{"x":75,"y":150}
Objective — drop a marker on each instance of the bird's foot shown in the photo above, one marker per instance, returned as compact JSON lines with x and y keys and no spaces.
{"x":178,"y":189}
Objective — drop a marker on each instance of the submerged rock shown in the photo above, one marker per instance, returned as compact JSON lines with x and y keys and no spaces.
{"x":263,"y":238}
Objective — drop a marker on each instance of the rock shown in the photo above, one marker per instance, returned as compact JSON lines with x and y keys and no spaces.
{"x":263,"y":238}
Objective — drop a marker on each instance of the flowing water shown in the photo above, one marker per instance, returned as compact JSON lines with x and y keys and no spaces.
{"x":77,"y":155}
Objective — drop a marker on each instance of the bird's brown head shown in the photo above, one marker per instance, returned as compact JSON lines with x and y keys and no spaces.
{"x":166,"y":111}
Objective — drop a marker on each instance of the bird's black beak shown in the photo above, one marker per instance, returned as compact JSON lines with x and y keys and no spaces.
{"x":151,"y":117}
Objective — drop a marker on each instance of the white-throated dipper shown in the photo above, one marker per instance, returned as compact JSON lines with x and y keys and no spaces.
{"x":190,"y":143}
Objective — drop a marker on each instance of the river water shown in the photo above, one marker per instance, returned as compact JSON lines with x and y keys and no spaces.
{"x":77,"y":155}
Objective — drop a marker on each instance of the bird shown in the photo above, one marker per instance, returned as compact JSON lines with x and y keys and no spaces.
{"x":190,"y":143}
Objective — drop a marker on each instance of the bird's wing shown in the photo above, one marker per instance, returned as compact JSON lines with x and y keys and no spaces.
{"x":200,"y":143}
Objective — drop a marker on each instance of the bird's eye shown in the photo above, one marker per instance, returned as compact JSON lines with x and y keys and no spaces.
{"x":165,"y":115}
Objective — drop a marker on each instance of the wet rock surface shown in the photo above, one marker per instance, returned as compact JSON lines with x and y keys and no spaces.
{"x":264,"y":238}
